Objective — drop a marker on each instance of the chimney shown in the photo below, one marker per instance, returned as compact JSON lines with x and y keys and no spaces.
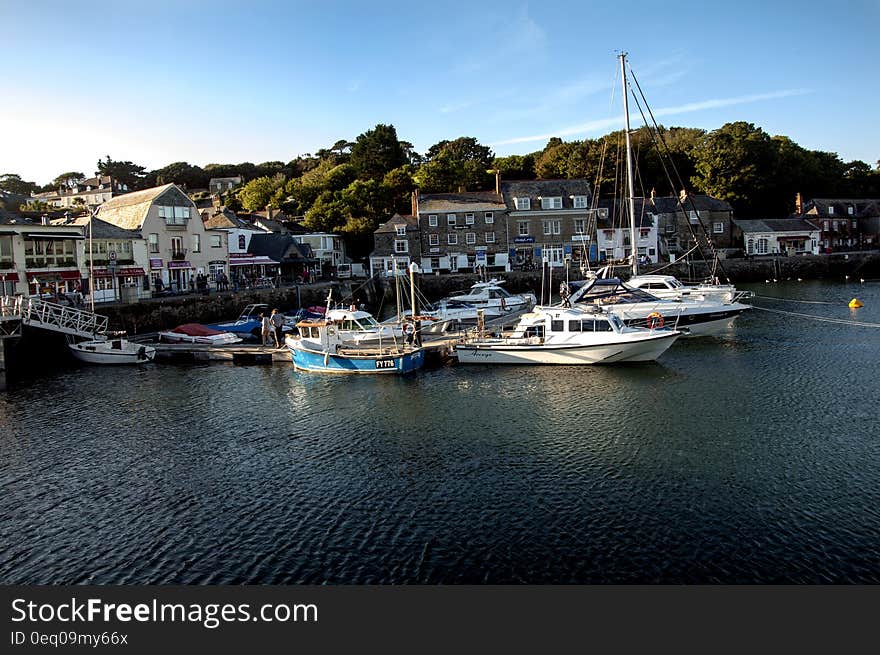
{"x":44,"y":220}
{"x":269,"y":212}
{"x":497,"y":182}
{"x":415,"y":202}
{"x":215,"y":201}
{"x":682,"y":196}
{"x":798,"y":204}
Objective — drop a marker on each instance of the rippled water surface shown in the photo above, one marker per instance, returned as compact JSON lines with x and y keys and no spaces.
{"x":752,"y":458}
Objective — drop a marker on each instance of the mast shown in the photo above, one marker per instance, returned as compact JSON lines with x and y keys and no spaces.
{"x":91,"y":260}
{"x":629,"y":170}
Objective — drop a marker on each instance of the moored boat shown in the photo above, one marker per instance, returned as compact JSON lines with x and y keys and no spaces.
{"x":196,"y":333}
{"x":112,"y":351}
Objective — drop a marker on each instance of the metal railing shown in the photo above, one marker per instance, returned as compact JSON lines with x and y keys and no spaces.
{"x":58,"y":318}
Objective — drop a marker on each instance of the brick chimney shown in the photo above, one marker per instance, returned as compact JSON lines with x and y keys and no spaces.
{"x":497,"y":182}
{"x":798,"y":204}
{"x":415,"y":202}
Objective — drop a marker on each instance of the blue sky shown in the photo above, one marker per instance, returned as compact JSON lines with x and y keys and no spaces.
{"x":158,"y":82}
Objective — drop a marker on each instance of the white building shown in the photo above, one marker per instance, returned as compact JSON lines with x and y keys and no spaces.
{"x":775,"y":236}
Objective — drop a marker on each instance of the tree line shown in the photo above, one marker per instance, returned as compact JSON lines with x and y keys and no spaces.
{"x":354,"y":186}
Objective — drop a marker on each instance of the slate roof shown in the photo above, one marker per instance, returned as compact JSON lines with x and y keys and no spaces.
{"x":226,"y":218}
{"x":775,"y":225}
{"x":130,"y":210}
{"x":862,"y":208}
{"x":468,"y":201}
{"x":532,"y":189}
{"x":673,"y":204}
{"x":280,"y":248}
{"x":618,"y":216}
{"x":103,"y":229}
{"x":390,"y":226}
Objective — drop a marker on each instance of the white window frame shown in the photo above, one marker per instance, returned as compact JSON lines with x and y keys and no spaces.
{"x":718,"y":227}
{"x":762,"y":246}
{"x":489,"y":217}
{"x":401,"y":246}
{"x":468,"y":219}
{"x":553,"y":202}
{"x":401,"y":230}
{"x":470,"y":238}
{"x":522,"y":228}
{"x":522,"y":203}
{"x":693,"y":216}
{"x":432,"y":220}
{"x":580,"y":226}
{"x":579,"y":202}
{"x":433,"y":239}
{"x":490,"y":237}
{"x":452,"y":239}
{"x":830,"y":210}
{"x":451,"y":220}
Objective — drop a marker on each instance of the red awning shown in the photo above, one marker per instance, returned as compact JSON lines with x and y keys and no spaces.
{"x":125,"y":271}
{"x":48,"y":276}
{"x":70,"y":275}
{"x":11,"y":276}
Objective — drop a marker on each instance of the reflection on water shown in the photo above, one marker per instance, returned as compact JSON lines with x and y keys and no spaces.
{"x":752,"y":458}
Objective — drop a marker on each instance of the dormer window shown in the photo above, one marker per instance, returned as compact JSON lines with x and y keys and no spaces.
{"x":401,"y":230}
{"x":579,"y":202}
{"x":831,"y":211}
{"x":850,"y":209}
{"x":551,"y":203}
{"x":522,"y":203}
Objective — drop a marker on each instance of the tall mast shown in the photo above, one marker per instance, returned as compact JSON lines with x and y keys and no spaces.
{"x":629,"y":170}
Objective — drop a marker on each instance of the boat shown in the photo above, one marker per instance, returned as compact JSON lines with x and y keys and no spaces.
{"x":320,"y":348}
{"x":361,"y":328}
{"x":247,"y":325}
{"x":635,"y":307}
{"x":112,"y":351}
{"x":490,"y":296}
{"x":670,"y":288}
{"x":196,"y":333}
{"x":569,"y":336}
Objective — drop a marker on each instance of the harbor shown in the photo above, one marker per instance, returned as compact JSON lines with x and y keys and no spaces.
{"x":745,"y":458}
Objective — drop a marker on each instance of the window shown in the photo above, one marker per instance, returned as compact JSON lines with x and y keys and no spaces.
{"x":452,"y":239}
{"x":850,"y":209}
{"x":552,"y":227}
{"x":433,"y":239}
{"x":153,"y":240}
{"x":830,"y":211}
{"x":643,"y":234}
{"x":557,"y":326}
{"x":580,"y":226}
{"x":470,"y":238}
{"x":522,"y":228}
{"x":174,"y":215}
{"x":196,"y":243}
{"x":580,"y":202}
{"x":490,"y":237}
{"x":855,"y":224}
{"x":670,"y":228}
{"x":450,"y":219}
{"x":401,"y":230}
{"x":216,"y":241}
{"x":693,"y":216}
{"x":401,"y":245}
{"x":490,"y":218}
{"x":825,"y":225}
{"x":522,"y":203}
{"x":718,"y":228}
{"x":432,"y":220}
{"x":468,"y":219}
{"x":177,"y":246}
{"x":551,"y":203}
{"x":761,"y":247}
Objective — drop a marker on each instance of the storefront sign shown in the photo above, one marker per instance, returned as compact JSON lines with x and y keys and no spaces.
{"x":155,"y":264}
{"x":524,"y":240}
{"x":172,"y":265}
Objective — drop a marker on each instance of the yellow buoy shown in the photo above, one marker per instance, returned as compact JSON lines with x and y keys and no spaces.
{"x":855,"y":303}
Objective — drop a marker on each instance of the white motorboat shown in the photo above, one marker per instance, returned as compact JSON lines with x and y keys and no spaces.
{"x":636,"y":307}
{"x":670,"y":288}
{"x":196,"y":333}
{"x":568,"y":336}
{"x":359,"y":327}
{"x":491,"y":296}
{"x":112,"y":351}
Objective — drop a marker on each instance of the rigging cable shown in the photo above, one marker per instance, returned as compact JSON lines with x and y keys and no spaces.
{"x":839,"y":321}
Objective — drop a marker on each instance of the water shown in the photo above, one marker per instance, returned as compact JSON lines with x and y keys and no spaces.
{"x":753,"y":458}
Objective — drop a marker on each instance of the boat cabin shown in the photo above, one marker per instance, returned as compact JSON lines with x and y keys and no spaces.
{"x":560,"y":326}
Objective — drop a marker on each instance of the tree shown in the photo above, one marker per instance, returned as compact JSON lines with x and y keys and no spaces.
{"x":376,"y":152}
{"x":181,"y":173}
{"x":328,"y":214}
{"x":515,"y":167}
{"x":12,"y":183}
{"x":125,"y":172}
{"x":256,"y":194}
{"x":70,"y":179}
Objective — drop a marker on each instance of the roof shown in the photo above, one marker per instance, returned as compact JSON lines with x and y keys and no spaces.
{"x":130,"y":210}
{"x":216,"y":180}
{"x":103,"y":229}
{"x":862,"y":207}
{"x":279,"y":248}
{"x":674,"y":204}
{"x":775,"y":225}
{"x":411,"y":222}
{"x":619,"y":216}
{"x":461,"y":202}
{"x":533,"y":189}
{"x":226,"y":219}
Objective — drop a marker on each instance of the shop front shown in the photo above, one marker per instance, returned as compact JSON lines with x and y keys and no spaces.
{"x":247,"y":271}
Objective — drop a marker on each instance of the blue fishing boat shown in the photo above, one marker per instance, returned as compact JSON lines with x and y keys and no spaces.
{"x":247,"y":325}
{"x":319,"y":348}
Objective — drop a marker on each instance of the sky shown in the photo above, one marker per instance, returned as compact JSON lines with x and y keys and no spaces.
{"x":227,"y":82}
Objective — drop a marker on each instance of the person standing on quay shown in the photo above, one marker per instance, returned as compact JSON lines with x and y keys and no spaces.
{"x":278,"y":323}
{"x":266,"y":327}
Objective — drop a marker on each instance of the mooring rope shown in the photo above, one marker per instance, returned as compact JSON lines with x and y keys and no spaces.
{"x":810,"y":302}
{"x":840,"y":321}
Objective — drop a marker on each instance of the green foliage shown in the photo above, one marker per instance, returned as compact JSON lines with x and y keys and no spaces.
{"x":376,"y":152}
{"x":515,"y":167}
{"x":182,"y":174}
{"x":12,"y":183}
{"x":68,"y":179}
{"x":257,"y":194}
{"x":328,"y":214}
{"x":126,"y":172}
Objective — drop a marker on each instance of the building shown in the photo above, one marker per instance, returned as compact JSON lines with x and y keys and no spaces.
{"x":37,"y":257}
{"x":689,"y":219}
{"x":178,"y":244}
{"x":460,"y":231}
{"x":91,"y":192}
{"x":548,"y":221}
{"x":397,"y":243}
{"x":328,"y":250}
{"x":614,"y":235}
{"x":278,"y":259}
{"x":223,"y":184}
{"x":788,"y":236}
{"x":843,"y":224}
{"x":238,"y":237}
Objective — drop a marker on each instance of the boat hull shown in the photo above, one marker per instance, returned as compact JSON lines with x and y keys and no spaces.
{"x":91,"y":352}
{"x":691,"y":323}
{"x":500,"y":351}
{"x":396,"y":363}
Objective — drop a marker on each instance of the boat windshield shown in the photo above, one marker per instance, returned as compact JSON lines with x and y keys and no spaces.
{"x":369,"y":322}
{"x":608,"y":291}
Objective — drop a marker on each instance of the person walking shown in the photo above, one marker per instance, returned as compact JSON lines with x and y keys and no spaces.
{"x":266,"y":327}
{"x":278,"y":323}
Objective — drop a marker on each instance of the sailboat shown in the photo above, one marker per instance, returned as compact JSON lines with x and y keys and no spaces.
{"x":704,"y":313}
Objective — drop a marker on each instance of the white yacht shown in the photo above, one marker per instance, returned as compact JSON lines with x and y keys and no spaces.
{"x":670,"y":288}
{"x":636,"y":307}
{"x":492,"y":296}
{"x":359,"y":327}
{"x":568,"y":336}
